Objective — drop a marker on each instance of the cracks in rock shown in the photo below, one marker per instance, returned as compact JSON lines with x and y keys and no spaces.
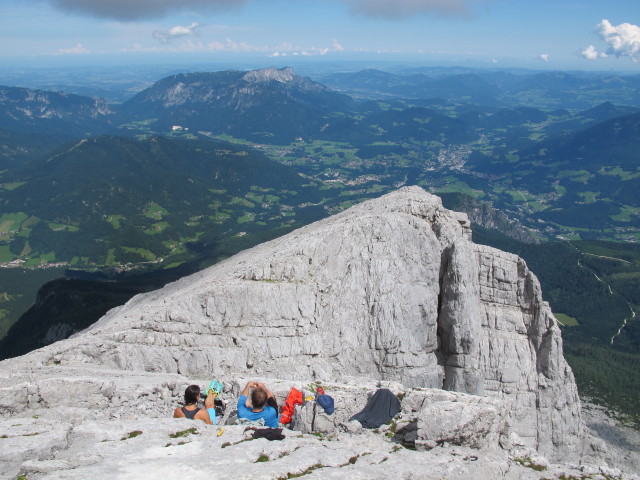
{"x":440,"y":357}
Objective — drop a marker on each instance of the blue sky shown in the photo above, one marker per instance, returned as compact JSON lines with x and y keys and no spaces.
{"x":550,"y":34}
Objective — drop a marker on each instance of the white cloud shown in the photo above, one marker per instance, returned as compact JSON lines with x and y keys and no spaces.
{"x":178,"y":31}
{"x":623,"y":39}
{"x":590,"y":53}
{"x":215,"y":46}
{"x":79,"y":49}
{"x":232,"y":46}
{"x":285,"y":47}
{"x":544,"y":57}
{"x":282,"y":49}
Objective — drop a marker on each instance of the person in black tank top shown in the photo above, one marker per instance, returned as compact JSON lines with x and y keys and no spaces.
{"x":190,"y":414}
{"x":191,"y":409}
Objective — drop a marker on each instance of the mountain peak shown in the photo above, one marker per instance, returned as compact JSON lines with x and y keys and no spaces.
{"x":283,"y":75}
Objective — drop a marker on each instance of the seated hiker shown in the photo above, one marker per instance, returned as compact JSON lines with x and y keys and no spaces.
{"x":191,"y":409}
{"x":262,"y":406}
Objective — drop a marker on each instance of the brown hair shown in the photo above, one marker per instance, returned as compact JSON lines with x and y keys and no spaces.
{"x":192,"y":394}
{"x":258,"y":398}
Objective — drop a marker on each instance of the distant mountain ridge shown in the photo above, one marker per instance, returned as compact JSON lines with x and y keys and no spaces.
{"x":270,"y":103}
{"x":26,"y":110}
{"x":491,"y":88}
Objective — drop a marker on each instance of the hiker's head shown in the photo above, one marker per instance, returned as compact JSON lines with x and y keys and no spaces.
{"x":258,"y":397}
{"x":192,"y":394}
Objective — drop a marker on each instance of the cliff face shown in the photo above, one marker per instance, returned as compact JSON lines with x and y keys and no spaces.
{"x":389,"y":290}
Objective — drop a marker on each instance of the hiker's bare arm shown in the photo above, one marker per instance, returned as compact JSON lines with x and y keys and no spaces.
{"x":264,"y":387}
{"x":250,"y":384}
{"x":209,"y":402}
{"x":204,"y":416}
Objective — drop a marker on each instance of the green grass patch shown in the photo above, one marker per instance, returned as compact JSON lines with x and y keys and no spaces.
{"x":618,"y":172}
{"x":184,"y":433}
{"x":566,"y":320}
{"x":114,"y":220}
{"x":230,"y":139}
{"x":376,"y":188}
{"x":626,"y":214}
{"x":111,"y":257}
{"x":242,"y":201}
{"x":62,"y":227}
{"x":253,"y":197}
{"x":41,"y":260}
{"x":143,"y":252}
{"x":220,"y":217}
{"x":156,"y":228}
{"x":527,"y":462}
{"x":79,"y":261}
{"x":246,"y":218}
{"x":5,"y":254}
{"x":133,"y":434}
{"x":589,"y":197}
{"x":11,"y":222}
{"x":11,"y":186}
{"x":142,"y":125}
{"x":154,"y":211}
{"x":173,"y":265}
{"x":30,"y":222}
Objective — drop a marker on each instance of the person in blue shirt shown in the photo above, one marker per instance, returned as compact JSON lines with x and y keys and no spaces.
{"x":263,"y":404}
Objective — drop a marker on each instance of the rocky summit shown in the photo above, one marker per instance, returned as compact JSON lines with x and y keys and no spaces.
{"x":390,"y":293}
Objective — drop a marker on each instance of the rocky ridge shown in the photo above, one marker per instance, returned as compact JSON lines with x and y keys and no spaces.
{"x":27,"y":110}
{"x":389,"y":293}
{"x":232,"y":91}
{"x":273,"y":105}
{"x":282,"y":75}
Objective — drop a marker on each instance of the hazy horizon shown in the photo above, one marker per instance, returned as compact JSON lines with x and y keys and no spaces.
{"x":544,"y":35}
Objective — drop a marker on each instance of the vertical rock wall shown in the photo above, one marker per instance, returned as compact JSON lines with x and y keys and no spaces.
{"x":521,"y":356}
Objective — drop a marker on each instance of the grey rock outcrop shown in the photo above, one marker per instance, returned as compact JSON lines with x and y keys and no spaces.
{"x":282,"y":75}
{"x":391,"y":290}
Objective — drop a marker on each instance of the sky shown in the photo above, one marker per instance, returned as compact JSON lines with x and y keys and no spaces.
{"x":536,"y":34}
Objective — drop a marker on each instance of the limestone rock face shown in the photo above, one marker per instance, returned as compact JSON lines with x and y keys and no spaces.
{"x":392,"y":289}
